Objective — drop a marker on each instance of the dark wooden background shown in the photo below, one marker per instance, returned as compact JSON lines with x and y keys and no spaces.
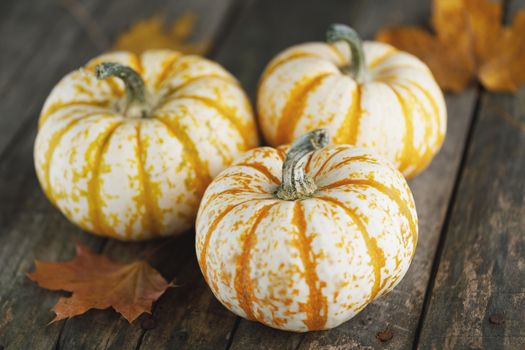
{"x":464,"y":290}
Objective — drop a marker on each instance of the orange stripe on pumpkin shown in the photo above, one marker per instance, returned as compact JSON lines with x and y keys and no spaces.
{"x":409,"y":152}
{"x":137,"y":63}
{"x":349,"y":129}
{"x":382,"y":58}
{"x":243,"y":284}
{"x":99,"y":146}
{"x":376,"y":254}
{"x":262,"y":169}
{"x":294,"y":108}
{"x":60,"y":105}
{"x":361,"y":158}
{"x":327,"y":160}
{"x":379,"y":73}
{"x":437,"y":119}
{"x":197,"y":78}
{"x":151,"y":217}
{"x":342,"y":59}
{"x":426,"y":157}
{"x":54,"y":141}
{"x":207,"y":238}
{"x":317,"y":305}
{"x":246,"y":133}
{"x":190,"y":154}
{"x":167,"y":68}
{"x":281,"y":153}
{"x":293,"y":56}
{"x":393,"y":194}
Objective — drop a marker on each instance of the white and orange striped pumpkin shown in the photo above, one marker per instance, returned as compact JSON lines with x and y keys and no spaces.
{"x":130,"y":154}
{"x":366,"y":94}
{"x":309,"y":252}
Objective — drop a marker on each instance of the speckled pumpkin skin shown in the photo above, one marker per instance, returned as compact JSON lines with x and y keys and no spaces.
{"x":308,"y":264}
{"x":399,"y":110}
{"x":139,"y":178}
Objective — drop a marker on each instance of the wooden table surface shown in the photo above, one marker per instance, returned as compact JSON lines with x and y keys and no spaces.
{"x":464,"y":290}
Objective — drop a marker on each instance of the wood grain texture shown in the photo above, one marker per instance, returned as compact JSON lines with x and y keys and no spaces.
{"x":478,"y":295}
{"x":40,"y":43}
{"x":482,"y":268}
{"x":276,"y":25}
{"x":29,"y":226}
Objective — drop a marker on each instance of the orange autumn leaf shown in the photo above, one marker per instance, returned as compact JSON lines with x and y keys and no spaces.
{"x":470,"y":42}
{"x":153,"y":33}
{"x":98,"y":283}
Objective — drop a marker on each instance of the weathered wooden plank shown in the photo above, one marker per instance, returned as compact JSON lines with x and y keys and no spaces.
{"x":482,"y":267}
{"x":21,"y":34}
{"x":268,"y":28}
{"x":478,"y":296}
{"x":39,"y":45}
{"x":30,"y":228}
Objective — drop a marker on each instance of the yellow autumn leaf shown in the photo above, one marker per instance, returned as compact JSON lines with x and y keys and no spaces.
{"x":154,"y":33}
{"x":470,"y":42}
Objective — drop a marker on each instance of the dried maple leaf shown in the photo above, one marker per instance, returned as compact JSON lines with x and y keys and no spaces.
{"x":152,"y":33}
{"x":98,"y":283}
{"x":470,"y":42}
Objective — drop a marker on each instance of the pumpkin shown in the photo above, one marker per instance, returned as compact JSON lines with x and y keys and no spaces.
{"x":305,"y":240}
{"x":127,"y":145}
{"x":366,"y":94}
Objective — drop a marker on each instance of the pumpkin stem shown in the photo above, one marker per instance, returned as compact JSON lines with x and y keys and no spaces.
{"x":295,"y":183}
{"x":136,"y":103}
{"x":357,"y":67}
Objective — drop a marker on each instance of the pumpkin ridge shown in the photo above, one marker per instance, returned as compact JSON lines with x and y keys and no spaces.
{"x":204,"y":252}
{"x":389,"y":192}
{"x":328,"y":159}
{"x":243,"y":130}
{"x":289,"y":58}
{"x":242,"y":283}
{"x":360,"y":158}
{"x":60,"y":105}
{"x":281,"y":153}
{"x":382,"y":58}
{"x":114,"y":87}
{"x":349,"y":129}
{"x":150,"y":219}
{"x":202,"y":176}
{"x":194,"y":79}
{"x":339,"y":54}
{"x":93,"y":185}
{"x":376,"y":254}
{"x":308,"y":163}
{"x":409,"y":151}
{"x":437,"y":117}
{"x":137,"y":62}
{"x":425,"y":158}
{"x":166,"y":69}
{"x":261,"y":169}
{"x":295,"y":106}
{"x":215,"y":195}
{"x":384,"y":73}
{"x":54,"y":141}
{"x":316,"y":305}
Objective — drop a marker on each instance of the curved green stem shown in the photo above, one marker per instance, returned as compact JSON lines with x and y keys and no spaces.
{"x":357,"y":67}
{"x":134,"y":85}
{"x":296,"y":184}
